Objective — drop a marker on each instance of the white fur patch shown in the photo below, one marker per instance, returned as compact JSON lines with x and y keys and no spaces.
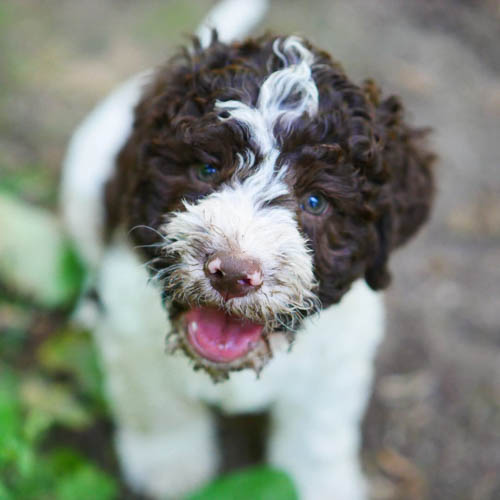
{"x":284,"y":96}
{"x":232,"y":19}
{"x":316,"y":393}
{"x":237,"y":219}
{"x":89,"y":163}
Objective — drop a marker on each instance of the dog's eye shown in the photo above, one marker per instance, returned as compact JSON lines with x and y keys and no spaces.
{"x":314,"y":203}
{"x":207,"y":172}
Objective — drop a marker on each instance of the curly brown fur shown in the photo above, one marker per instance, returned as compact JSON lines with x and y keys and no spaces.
{"x":357,"y":150}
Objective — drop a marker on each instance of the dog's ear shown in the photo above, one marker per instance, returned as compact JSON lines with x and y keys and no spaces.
{"x":406,"y":193}
{"x":377,"y":275}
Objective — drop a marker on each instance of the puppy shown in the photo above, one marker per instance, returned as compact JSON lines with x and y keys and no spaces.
{"x":244,"y":200}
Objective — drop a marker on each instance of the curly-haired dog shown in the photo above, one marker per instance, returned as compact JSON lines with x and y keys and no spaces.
{"x":263,"y":192}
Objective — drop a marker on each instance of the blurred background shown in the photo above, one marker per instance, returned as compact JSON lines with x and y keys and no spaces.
{"x":433,"y":427}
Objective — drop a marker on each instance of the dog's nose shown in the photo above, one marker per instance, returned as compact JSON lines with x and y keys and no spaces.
{"x":233,"y":275}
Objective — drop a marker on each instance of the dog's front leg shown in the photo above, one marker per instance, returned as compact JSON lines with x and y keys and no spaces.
{"x":315,"y":434}
{"x":318,"y":443}
{"x":165,"y":442}
{"x":165,"y":439}
{"x":169,"y":462}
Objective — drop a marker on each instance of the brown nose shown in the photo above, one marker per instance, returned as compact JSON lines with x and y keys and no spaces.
{"x":233,"y":275}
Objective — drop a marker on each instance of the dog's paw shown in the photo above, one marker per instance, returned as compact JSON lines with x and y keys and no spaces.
{"x":161,"y":466}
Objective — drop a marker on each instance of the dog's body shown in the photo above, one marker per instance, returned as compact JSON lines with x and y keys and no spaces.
{"x":317,"y":392}
{"x":166,"y":439}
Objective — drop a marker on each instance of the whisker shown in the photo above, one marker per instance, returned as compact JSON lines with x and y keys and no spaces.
{"x":144,"y":226}
{"x":152,"y":245}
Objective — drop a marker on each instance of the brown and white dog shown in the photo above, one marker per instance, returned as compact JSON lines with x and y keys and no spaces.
{"x":245,"y":199}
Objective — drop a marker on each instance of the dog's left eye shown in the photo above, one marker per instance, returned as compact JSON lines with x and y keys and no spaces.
{"x":314,"y":203}
{"x":207,"y":172}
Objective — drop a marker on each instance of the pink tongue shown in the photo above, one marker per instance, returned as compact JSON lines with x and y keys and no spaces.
{"x":219,"y":337}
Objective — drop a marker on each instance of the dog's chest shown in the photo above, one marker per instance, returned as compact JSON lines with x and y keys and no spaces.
{"x":136,"y":325}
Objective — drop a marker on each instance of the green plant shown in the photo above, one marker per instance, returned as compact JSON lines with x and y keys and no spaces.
{"x":27,"y":469}
{"x":255,"y":483}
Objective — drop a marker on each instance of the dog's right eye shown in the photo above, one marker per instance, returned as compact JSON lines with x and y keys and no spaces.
{"x":314,"y":203}
{"x":207,"y":172}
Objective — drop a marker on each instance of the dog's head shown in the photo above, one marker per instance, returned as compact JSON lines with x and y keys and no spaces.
{"x":259,"y":183}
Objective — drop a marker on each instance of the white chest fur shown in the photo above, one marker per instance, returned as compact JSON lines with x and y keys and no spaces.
{"x":325,"y":346}
{"x":316,"y":393}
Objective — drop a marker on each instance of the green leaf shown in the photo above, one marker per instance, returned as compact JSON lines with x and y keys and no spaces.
{"x":73,"y":352}
{"x":70,"y":273}
{"x":86,"y":482}
{"x":262,"y":483}
{"x":64,"y":461}
{"x":4,"y":494}
{"x":35,"y":426}
{"x":35,"y":258}
{"x":10,"y":409}
{"x":55,"y":401}
{"x":27,"y":408}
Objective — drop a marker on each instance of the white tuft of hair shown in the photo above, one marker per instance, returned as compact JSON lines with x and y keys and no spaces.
{"x":232,"y":19}
{"x":285,"y":96}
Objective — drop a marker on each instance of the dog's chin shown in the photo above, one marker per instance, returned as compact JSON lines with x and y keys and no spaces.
{"x":219,"y":342}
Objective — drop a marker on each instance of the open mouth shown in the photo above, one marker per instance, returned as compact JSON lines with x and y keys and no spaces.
{"x":219,"y":342}
{"x":220,"y":337}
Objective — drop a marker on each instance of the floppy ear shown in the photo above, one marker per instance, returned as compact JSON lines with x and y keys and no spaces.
{"x":407,"y":191}
{"x":377,"y":275}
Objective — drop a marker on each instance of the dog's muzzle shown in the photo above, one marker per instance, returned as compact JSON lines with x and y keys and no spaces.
{"x":238,"y":272}
{"x":213,"y":333}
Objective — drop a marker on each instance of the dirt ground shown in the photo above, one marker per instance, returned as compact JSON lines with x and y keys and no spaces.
{"x":433,"y":426}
